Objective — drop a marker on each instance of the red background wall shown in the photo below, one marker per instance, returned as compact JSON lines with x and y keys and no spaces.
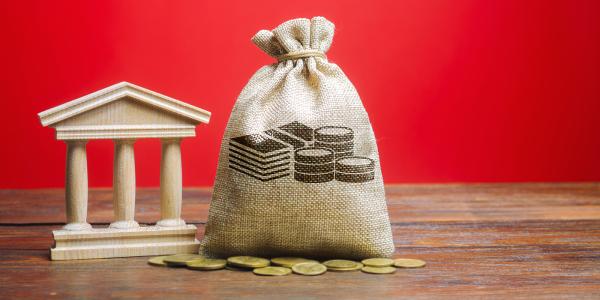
{"x":457,"y":90}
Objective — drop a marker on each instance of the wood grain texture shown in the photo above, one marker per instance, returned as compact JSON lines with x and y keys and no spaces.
{"x":137,"y":241}
{"x":170,"y":183}
{"x":124,"y":185}
{"x":535,"y":241}
{"x":76,"y":186}
{"x":406,"y":203}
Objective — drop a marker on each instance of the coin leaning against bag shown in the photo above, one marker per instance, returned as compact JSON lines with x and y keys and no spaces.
{"x":272,"y":271}
{"x":378,"y":270}
{"x":158,"y":261}
{"x":180,"y":260}
{"x":289,"y":262}
{"x":378,"y":262}
{"x":248,"y":261}
{"x":309,"y":269}
{"x":206,"y":264}
{"x":409,"y":263}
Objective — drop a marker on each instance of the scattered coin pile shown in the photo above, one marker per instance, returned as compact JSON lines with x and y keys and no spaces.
{"x":281,"y":266}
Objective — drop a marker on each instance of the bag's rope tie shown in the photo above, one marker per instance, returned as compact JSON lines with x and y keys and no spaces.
{"x":301,"y":54}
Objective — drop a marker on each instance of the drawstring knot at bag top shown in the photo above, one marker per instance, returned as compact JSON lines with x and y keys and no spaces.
{"x":301,"y":54}
{"x":298,"y":171}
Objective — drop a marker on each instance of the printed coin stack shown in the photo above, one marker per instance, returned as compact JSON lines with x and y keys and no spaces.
{"x":354,"y":169}
{"x":337,"y":138}
{"x":314,"y":165}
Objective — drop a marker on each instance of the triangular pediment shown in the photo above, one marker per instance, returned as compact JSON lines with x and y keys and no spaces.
{"x":123,"y":91}
{"x":123,"y":110}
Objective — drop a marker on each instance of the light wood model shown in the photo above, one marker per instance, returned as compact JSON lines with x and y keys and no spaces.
{"x":123,"y":112}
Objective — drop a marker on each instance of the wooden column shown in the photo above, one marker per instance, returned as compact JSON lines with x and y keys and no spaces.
{"x":76,"y":186}
{"x":170,"y":184}
{"x":124,"y":185}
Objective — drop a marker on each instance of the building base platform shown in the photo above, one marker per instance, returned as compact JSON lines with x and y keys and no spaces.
{"x":111,"y":242}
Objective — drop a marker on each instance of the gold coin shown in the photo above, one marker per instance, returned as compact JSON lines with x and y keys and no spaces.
{"x":355,"y":268}
{"x":378,"y":262}
{"x":158,"y":261}
{"x":340,"y":263}
{"x":179,"y":260}
{"x":206,"y":264}
{"x":289,"y":262}
{"x":309,"y":268}
{"x":409,"y":263}
{"x":272,"y":271}
{"x":248,"y":261}
{"x":378,"y":270}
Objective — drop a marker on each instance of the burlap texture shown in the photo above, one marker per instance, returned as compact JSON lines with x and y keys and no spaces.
{"x":253,"y":214}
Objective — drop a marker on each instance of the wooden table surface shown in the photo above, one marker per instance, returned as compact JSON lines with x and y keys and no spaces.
{"x":480,"y":241}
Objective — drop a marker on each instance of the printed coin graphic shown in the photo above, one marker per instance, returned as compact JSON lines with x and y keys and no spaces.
{"x":409,"y":263}
{"x":334,"y":134}
{"x":289,"y":262}
{"x":354,"y":177}
{"x":378,"y":262}
{"x":206,"y":264}
{"x":248,"y":261}
{"x":344,"y":154}
{"x":309,"y":269}
{"x":314,"y":178}
{"x":314,"y":155}
{"x":314,"y":168}
{"x":180,"y":260}
{"x":272,"y":271}
{"x":378,"y":270}
{"x":354,"y":169}
{"x":158,"y":261}
{"x":337,"y":147}
{"x":355,"y":164}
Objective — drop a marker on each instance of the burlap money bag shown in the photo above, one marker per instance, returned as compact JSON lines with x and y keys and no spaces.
{"x":298,"y":171}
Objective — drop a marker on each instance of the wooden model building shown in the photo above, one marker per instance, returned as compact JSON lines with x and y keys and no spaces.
{"x":123,"y":112}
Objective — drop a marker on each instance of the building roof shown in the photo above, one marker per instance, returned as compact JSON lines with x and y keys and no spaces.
{"x":119,"y":91}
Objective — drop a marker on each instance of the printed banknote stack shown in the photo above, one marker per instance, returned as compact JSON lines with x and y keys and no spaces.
{"x":259,"y":156}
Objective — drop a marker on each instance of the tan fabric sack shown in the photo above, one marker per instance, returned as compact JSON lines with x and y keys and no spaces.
{"x":298,"y":171}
